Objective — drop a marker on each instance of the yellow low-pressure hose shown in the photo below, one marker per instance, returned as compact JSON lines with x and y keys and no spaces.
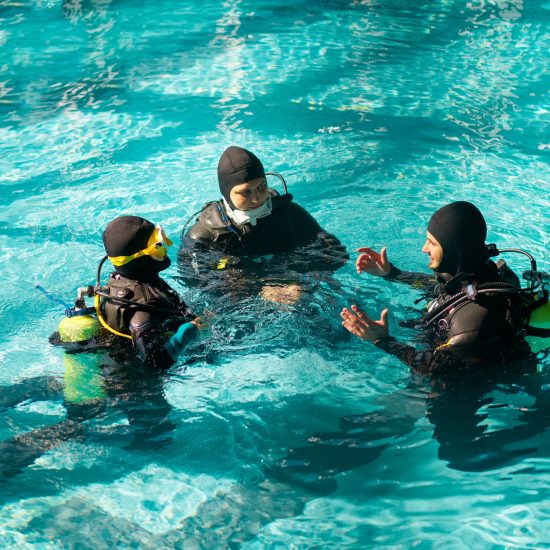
{"x":102,"y":321}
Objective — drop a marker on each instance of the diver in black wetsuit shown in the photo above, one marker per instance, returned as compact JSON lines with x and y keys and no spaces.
{"x":483,"y":330}
{"x":155,"y":319}
{"x":252,"y":220}
{"x":468,"y":325}
{"x":141,"y":314}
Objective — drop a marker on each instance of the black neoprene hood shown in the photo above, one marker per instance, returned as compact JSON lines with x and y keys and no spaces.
{"x":127,"y":235}
{"x":236,"y":166}
{"x":460,"y":229}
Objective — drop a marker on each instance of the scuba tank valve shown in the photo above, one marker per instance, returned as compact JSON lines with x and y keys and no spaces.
{"x":78,"y":325}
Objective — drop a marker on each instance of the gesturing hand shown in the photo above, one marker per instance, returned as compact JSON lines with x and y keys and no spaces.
{"x":200,"y":323}
{"x":373,"y":263}
{"x":360,"y":324}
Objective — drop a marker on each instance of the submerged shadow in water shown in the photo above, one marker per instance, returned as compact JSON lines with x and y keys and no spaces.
{"x":468,"y":420}
{"x":460,"y":414}
{"x":94,"y":388}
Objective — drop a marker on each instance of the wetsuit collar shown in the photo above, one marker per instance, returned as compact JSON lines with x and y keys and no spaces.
{"x":240,"y":217}
{"x":151,"y":278}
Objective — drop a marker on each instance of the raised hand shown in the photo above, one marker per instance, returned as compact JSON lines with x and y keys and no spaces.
{"x":362,"y":326}
{"x":369,"y":261}
{"x":201,"y":323}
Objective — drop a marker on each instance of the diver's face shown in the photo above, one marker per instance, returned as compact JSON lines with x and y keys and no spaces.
{"x":434,"y":251}
{"x":249,"y":195}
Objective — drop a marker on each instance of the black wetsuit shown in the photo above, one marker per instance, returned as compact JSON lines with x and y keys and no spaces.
{"x":289,"y":227}
{"x":157,"y":314}
{"x":153,"y":324}
{"x":479,"y":332}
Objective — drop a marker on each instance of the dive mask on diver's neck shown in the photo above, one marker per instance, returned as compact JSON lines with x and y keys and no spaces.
{"x":241,"y":217}
{"x":157,"y":245}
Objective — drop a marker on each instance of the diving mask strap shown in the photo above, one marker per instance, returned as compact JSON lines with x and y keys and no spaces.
{"x":156,"y":242}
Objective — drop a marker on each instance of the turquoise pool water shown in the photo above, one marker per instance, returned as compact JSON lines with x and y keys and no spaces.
{"x":377,"y":113}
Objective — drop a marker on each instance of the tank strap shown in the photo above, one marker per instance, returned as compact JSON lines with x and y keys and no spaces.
{"x":137,"y":305}
{"x":471,"y":293}
{"x":139,"y":297}
{"x":226,"y":221}
{"x":540,"y":332}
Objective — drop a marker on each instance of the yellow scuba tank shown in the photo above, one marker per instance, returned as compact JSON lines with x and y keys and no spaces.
{"x":78,"y":328}
{"x":83,"y":380}
{"x":538,"y":328}
{"x":538,"y":323}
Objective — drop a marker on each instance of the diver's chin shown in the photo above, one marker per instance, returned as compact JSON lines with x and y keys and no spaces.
{"x":434,"y":265}
{"x":165,"y":263}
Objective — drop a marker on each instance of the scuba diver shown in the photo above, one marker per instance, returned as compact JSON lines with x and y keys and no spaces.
{"x":479,"y":314}
{"x":139,"y":312}
{"x":239,"y":234}
{"x":479,"y":318}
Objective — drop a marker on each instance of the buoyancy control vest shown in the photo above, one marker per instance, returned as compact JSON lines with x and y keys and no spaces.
{"x":514,"y":310}
{"x":287,"y":227}
{"x":159,"y":299}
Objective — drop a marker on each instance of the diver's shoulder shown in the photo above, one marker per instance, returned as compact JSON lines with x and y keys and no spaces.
{"x":297,"y":208}
{"x":302,"y":216}
{"x":294,"y":207}
{"x":281,"y":201}
{"x":211,"y":220}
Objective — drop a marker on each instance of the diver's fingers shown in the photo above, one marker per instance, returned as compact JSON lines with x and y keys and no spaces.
{"x":362,"y":315}
{"x":361,"y":262}
{"x":366,"y":255}
{"x":365,"y":249}
{"x":200,"y":323}
{"x":384,"y":318}
{"x":353,"y":324}
{"x":384,"y":255}
{"x":364,"y":260}
{"x":383,"y":263}
{"x":347,"y":315}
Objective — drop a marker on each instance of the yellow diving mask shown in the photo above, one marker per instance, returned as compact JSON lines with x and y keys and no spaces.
{"x":157,"y":246}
